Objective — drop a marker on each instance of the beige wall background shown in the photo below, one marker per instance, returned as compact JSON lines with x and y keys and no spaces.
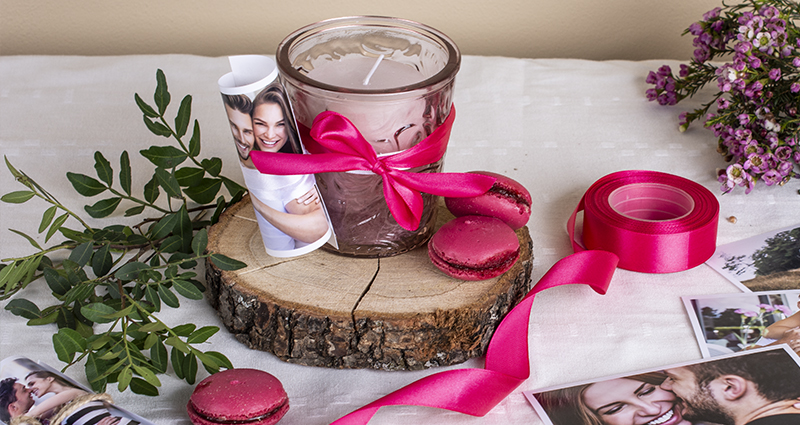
{"x":584,"y":29}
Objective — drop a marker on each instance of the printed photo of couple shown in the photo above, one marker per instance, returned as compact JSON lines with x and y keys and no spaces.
{"x":756,"y":387}
{"x":291,"y":215}
{"x":728,"y":323}
{"x":33,"y":393}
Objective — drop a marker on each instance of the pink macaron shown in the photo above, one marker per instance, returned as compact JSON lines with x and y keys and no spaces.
{"x":507,"y":200}
{"x":474,"y":248}
{"x":238,"y":396}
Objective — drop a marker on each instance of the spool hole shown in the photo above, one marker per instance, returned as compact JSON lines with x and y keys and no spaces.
{"x":651,"y":202}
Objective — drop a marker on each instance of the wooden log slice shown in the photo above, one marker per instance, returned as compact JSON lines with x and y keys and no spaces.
{"x":329,"y":310}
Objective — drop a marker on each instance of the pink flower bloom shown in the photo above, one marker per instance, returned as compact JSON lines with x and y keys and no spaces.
{"x":783,"y":309}
{"x":766,"y":307}
{"x":772,"y":177}
{"x":775,"y":74}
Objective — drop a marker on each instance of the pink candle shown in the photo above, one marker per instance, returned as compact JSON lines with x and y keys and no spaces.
{"x":393,"y":79}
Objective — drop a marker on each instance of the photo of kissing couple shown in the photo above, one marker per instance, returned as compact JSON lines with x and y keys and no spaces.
{"x":756,"y":387}
{"x":33,"y":393}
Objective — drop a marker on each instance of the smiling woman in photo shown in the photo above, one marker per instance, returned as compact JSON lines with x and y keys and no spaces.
{"x":634,"y":400}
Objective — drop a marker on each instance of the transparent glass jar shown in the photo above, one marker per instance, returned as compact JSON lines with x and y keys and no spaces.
{"x":394,"y":80}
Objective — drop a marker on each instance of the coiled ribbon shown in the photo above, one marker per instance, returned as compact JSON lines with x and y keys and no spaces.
{"x":654,"y":222}
{"x":335,"y":144}
{"x":640,"y":220}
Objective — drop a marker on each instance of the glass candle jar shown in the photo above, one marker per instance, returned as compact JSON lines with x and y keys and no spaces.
{"x":393,"y":79}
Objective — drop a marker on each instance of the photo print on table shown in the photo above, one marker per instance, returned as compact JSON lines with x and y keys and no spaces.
{"x":766,"y":262}
{"x":729,"y":323}
{"x":291,"y":215}
{"x":766,"y":382}
{"x":33,"y":393}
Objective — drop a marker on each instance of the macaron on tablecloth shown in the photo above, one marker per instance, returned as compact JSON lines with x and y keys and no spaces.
{"x":553,"y":125}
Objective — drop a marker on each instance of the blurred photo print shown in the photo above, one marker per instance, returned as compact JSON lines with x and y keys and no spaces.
{"x":729,"y":323}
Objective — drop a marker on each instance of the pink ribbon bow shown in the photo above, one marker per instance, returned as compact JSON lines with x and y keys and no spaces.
{"x":336,"y":145}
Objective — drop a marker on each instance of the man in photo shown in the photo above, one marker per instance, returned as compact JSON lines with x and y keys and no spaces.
{"x":755,"y":389}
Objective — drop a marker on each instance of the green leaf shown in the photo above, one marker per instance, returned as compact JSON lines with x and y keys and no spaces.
{"x":176,"y":358}
{"x":163,"y":227}
{"x":213,"y":166}
{"x":98,"y":312}
{"x":204,"y":192}
{"x":166,"y":157}
{"x":200,"y":242}
{"x":103,"y":168}
{"x":152,"y":327}
{"x":190,"y":369}
{"x":142,"y":387}
{"x":67,"y":342}
{"x":183,"y":228}
{"x":14,"y":171}
{"x":209,"y":363}
{"x":131,"y":270}
{"x":151,"y":295}
{"x":23,"y":308}
{"x":194,"y":142}
{"x":184,"y":330}
{"x":148,"y":375}
{"x":144,"y":107}
{"x":183,"y":117}
{"x":161,"y":96}
{"x":202,"y":335}
{"x":187,"y":289}
{"x":125,"y":172}
{"x":103,"y":208}
{"x":94,"y":369}
{"x":167,"y":181}
{"x":124,"y":378}
{"x":159,"y":357}
{"x":44,"y":320}
{"x":189,"y":176}
{"x":225,"y":263}
{"x":56,"y":226}
{"x":102,"y":261}
{"x":82,"y":253}
{"x":156,"y":127}
{"x":47,"y":218}
{"x":220,"y":359}
{"x":168,"y":297}
{"x":17,"y":197}
{"x":134,"y":211}
{"x":151,"y":191}
{"x":57,"y":283}
{"x":28,"y":238}
{"x":172,"y":244}
{"x":85,"y":185}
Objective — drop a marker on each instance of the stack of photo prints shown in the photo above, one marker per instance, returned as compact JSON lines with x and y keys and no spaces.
{"x":33,"y":393}
{"x":750,"y":343}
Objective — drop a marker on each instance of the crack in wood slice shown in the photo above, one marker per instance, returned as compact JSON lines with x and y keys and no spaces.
{"x":328,"y":310}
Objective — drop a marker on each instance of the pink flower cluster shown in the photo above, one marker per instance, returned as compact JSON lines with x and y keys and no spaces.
{"x":755,"y":116}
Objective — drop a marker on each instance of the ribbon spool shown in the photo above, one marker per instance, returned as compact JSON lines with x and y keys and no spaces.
{"x":654,"y":222}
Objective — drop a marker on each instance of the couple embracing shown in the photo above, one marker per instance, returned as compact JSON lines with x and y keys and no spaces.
{"x":760,"y":388}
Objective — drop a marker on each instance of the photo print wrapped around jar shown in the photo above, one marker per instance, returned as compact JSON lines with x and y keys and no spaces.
{"x":290,"y":212}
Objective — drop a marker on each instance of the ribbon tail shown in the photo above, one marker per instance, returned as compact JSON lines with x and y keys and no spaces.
{"x":457,"y":185}
{"x":477,"y":391}
{"x":406,"y":205}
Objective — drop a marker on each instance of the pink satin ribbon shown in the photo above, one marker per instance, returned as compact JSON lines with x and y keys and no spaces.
{"x":336,"y":145}
{"x":650,"y":246}
{"x":476,"y":391}
{"x":639,"y":244}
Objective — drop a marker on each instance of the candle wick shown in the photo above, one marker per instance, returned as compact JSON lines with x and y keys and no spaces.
{"x":372,"y":71}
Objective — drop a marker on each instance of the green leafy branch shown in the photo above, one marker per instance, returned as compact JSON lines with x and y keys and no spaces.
{"x":116,"y":279}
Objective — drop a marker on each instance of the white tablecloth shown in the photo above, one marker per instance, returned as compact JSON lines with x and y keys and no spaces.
{"x":554,"y":125}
